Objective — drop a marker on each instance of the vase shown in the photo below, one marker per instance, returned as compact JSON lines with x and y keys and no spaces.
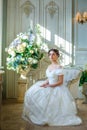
{"x":24,"y":73}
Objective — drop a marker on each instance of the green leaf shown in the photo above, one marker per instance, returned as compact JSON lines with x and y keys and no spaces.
{"x":34,"y":66}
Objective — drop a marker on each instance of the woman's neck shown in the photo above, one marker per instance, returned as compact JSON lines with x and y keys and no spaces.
{"x":54,"y":63}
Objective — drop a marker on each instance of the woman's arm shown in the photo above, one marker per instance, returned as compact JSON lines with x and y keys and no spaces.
{"x":60,"y":82}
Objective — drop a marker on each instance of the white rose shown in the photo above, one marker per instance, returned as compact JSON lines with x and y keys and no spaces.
{"x":22,"y":59}
{"x":35,"y":61}
{"x":31,"y":51}
{"x":8,"y":59}
{"x":30,"y":60}
{"x":24,"y":44}
{"x":11,"y":52}
{"x":20,"y":48}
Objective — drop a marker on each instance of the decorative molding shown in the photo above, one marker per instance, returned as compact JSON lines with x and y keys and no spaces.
{"x":52,"y":8}
{"x":27,"y":8}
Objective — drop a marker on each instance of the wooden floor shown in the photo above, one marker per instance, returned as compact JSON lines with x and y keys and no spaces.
{"x":12,"y":120}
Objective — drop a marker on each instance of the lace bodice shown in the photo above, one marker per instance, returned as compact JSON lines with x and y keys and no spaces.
{"x":53,"y":75}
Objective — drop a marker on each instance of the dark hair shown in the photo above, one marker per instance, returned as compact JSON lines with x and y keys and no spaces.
{"x":55,"y":50}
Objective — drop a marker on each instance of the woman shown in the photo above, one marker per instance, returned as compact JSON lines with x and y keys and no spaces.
{"x":50,"y":102}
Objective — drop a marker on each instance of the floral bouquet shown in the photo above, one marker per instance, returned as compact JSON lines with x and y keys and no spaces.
{"x":26,"y":51}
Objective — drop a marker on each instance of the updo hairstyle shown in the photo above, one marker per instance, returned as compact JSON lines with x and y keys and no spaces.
{"x":55,"y":50}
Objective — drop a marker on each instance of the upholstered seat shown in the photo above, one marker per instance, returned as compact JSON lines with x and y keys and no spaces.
{"x":73,"y":85}
{"x":72,"y":77}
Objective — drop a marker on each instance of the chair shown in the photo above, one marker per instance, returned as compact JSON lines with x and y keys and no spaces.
{"x":73,"y":77}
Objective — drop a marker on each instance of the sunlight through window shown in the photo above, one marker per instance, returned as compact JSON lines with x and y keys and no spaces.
{"x":46,"y":34}
{"x":63,"y":45}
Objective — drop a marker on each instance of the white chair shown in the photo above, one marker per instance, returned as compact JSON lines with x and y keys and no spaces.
{"x":72,"y":77}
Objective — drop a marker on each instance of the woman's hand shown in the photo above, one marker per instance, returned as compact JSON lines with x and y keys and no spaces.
{"x":45,"y":85}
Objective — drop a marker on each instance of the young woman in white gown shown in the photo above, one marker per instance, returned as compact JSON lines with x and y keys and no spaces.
{"x":50,"y":102}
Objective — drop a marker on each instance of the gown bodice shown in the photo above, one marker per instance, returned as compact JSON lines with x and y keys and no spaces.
{"x":53,"y":75}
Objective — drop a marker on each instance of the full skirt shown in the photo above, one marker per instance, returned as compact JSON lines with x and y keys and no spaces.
{"x":52,"y":106}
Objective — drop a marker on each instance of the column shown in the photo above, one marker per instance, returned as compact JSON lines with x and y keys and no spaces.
{"x":1,"y":80}
{"x":1,"y":18}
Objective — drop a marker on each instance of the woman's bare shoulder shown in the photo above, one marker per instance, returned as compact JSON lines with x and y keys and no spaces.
{"x":55,"y":67}
{"x":60,"y":66}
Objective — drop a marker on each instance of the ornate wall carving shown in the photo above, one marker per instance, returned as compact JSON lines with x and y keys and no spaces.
{"x":52,"y":8}
{"x":28,"y":7}
{"x":27,"y":15}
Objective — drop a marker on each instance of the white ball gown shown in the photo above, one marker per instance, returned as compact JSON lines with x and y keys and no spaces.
{"x":52,"y":106}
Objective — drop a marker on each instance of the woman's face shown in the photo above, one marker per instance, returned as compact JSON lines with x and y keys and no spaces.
{"x":53,"y":56}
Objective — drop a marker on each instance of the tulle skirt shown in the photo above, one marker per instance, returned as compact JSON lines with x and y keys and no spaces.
{"x":52,"y":106}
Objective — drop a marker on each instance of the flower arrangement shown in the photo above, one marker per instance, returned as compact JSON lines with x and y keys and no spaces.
{"x":26,"y":51}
